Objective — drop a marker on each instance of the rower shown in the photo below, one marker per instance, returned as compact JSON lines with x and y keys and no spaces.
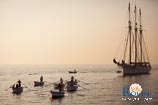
{"x":13,"y":86}
{"x":114,"y":60}
{"x":72,"y":79}
{"x":75,"y":82}
{"x":19,"y":83}
{"x":72,"y":82}
{"x":61,"y":85}
{"x":41,"y":79}
{"x":16,"y":86}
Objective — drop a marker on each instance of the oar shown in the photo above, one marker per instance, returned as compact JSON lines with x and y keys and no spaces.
{"x":86,"y":82}
{"x":8,"y":89}
{"x":11,"y":86}
{"x":83,"y":82}
{"x":24,"y":86}
{"x":83,"y":87}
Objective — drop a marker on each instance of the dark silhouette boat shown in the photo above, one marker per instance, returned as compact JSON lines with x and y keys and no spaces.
{"x":17,"y":90}
{"x":57,"y":94}
{"x":72,"y":86}
{"x":73,"y":72}
{"x":135,"y":60}
{"x":38,"y":83}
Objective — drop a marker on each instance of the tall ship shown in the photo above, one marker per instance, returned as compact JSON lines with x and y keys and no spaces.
{"x":135,"y":58}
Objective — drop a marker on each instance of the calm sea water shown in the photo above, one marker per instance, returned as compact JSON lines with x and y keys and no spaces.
{"x":100,"y":85}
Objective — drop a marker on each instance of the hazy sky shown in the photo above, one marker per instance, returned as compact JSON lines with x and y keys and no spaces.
{"x":69,"y":31}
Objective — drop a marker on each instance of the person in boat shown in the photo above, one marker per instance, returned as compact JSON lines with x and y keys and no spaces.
{"x":61,"y":85}
{"x":13,"y":86}
{"x":19,"y":83}
{"x":72,"y":79}
{"x":16,"y":86}
{"x":72,"y":82}
{"x":76,"y":82}
{"x":41,"y":79}
{"x":123,"y":62}
{"x":114,"y":60}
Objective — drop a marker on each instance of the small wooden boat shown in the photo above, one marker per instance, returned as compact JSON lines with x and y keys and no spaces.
{"x":75,"y":71}
{"x":17,"y":90}
{"x":37,"y":83}
{"x":57,"y":94}
{"x":118,"y":71}
{"x":71,"y":88}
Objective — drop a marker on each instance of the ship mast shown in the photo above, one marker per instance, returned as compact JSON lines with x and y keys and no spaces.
{"x":141,"y":36}
{"x":130,"y":31}
{"x":135,"y":11}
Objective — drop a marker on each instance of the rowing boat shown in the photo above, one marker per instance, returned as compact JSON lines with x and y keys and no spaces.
{"x":37,"y":83}
{"x":17,"y":90}
{"x":57,"y":94}
{"x":75,"y":71}
{"x":72,"y":86}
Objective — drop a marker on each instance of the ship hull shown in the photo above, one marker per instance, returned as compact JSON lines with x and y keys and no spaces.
{"x":136,"y":69}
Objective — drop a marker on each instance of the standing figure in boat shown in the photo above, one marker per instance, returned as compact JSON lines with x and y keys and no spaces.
{"x":61,"y":85}
{"x":19,"y":83}
{"x":41,"y":79}
{"x":72,"y":80}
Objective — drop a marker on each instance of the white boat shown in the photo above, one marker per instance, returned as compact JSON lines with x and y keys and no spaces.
{"x":37,"y":83}
{"x":17,"y":90}
{"x":135,"y":58}
{"x":57,"y":94}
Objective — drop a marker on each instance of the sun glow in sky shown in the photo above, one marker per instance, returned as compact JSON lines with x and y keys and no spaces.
{"x":69,"y":31}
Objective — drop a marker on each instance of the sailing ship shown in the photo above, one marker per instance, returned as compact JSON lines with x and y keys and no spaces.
{"x":135,"y":58}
